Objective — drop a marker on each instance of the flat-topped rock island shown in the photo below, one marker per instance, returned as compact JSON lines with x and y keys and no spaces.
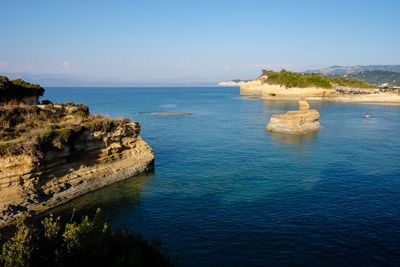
{"x":301,"y":121}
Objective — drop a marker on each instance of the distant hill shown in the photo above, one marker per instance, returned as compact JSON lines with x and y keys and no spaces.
{"x":341,"y":70}
{"x":301,"y":80}
{"x":377,"y":77}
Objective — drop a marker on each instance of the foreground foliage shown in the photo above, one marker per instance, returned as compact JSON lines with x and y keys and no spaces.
{"x":295,"y":79}
{"x":89,"y":243}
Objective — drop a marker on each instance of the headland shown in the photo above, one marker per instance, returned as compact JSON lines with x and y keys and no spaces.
{"x":52,"y":153}
{"x":287,"y":85}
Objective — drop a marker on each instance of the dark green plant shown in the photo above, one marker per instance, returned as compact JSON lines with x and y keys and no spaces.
{"x":18,"y":89}
{"x":63,"y":134}
{"x":88,"y":243}
{"x":19,"y":249}
{"x":295,"y":79}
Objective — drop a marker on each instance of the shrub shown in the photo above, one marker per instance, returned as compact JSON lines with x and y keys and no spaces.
{"x":47,"y":102}
{"x":88,"y":243}
{"x":18,"y":89}
{"x":295,"y":79}
{"x":43,"y":135}
{"x":19,"y":249}
{"x":63,"y":134}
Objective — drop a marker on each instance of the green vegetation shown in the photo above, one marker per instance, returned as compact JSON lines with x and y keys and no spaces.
{"x":377,"y":77}
{"x":355,"y":83}
{"x":88,"y":243}
{"x":34,"y":130}
{"x":18,"y":89}
{"x":52,"y":136}
{"x":294,"y":79}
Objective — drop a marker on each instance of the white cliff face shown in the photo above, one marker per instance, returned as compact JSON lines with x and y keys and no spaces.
{"x":231,"y":83}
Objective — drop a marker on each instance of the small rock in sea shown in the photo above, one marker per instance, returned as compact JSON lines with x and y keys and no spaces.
{"x":301,"y":121}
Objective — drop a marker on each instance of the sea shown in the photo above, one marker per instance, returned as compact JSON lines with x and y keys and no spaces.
{"x":225,"y":192}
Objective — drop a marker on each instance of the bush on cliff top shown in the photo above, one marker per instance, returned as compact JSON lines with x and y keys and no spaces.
{"x":32,"y":130}
{"x":88,"y":243}
{"x":295,"y":79}
{"x":18,"y":89}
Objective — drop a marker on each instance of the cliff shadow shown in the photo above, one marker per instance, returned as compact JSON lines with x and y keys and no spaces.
{"x":114,"y":198}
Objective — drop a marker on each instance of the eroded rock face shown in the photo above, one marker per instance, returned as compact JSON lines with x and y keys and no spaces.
{"x":92,"y":160}
{"x":301,"y":121}
{"x":280,"y":92}
{"x":303,"y":104}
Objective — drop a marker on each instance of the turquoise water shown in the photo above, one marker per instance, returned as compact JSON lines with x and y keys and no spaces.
{"x":226,"y":192}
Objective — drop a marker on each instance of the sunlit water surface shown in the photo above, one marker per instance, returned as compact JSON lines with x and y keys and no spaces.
{"x":226,"y":192}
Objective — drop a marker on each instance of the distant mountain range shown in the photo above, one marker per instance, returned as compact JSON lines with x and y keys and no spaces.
{"x":67,"y":80}
{"x":379,"y":77}
{"x":341,"y":70}
{"x":374,"y":74}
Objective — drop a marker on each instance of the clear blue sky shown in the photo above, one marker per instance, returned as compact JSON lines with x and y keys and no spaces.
{"x":194,"y":41}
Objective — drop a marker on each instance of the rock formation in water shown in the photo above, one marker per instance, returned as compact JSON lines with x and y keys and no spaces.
{"x":301,"y":121}
{"x":50,"y":154}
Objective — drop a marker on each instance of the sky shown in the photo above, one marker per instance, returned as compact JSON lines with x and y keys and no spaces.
{"x":191,"y":42}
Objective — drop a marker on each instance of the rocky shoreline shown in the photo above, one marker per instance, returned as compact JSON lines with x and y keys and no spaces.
{"x":89,"y":159}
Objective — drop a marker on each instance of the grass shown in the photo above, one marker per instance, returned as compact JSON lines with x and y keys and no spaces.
{"x":32,"y":130}
{"x":295,"y":79}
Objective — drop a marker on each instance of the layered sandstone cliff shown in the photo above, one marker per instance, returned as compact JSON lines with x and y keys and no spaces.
{"x":79,"y":153}
{"x":301,"y":121}
{"x":276,"y":91}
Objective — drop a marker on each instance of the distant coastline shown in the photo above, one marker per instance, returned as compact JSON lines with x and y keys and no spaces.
{"x":232,"y":83}
{"x":293,"y":86}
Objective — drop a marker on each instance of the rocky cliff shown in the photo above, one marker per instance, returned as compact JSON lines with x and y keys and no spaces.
{"x":286,"y":85}
{"x":301,"y":121}
{"x":276,"y":91}
{"x":340,"y":94}
{"x":65,"y":155}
